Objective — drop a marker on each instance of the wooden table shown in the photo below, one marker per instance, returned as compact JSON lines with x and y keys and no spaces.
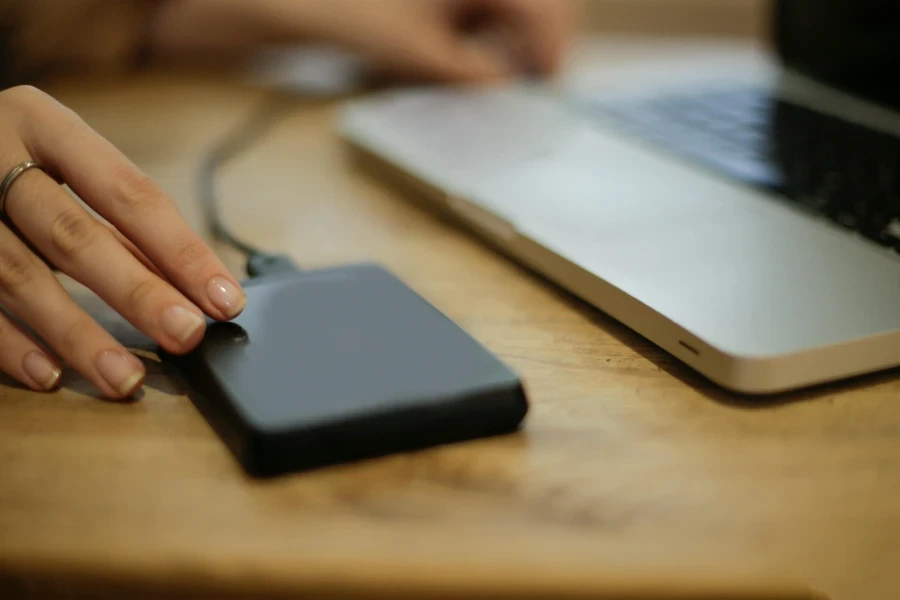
{"x":631,"y":470}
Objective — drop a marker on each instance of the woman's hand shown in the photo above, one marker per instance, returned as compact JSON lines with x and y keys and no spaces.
{"x":150,"y":266}
{"x":448,"y":40}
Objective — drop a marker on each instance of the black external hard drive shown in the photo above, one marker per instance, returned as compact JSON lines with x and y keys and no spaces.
{"x":341,"y":365}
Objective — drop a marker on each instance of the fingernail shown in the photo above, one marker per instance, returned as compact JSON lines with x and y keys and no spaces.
{"x":41,"y":370}
{"x":227,"y":297}
{"x":120,"y":372}
{"x":180,"y":323}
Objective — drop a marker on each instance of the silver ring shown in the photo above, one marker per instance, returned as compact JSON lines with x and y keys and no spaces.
{"x":11,"y":179}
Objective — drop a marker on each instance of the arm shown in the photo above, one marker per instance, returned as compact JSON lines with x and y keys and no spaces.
{"x":421,"y":38}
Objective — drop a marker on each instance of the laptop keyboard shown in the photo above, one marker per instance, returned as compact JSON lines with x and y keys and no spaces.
{"x":840,"y":170}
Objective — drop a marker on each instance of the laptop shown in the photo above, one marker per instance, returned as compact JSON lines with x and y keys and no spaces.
{"x":738,"y":204}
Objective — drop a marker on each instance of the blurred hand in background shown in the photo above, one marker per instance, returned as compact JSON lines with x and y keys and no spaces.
{"x":443,"y":40}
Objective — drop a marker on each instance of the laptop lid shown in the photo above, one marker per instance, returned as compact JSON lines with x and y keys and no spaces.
{"x":853,"y":45}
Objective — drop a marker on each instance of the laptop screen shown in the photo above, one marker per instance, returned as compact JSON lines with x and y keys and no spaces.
{"x":850,"y":44}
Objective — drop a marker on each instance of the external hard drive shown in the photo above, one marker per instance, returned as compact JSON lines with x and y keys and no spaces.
{"x":341,"y":365}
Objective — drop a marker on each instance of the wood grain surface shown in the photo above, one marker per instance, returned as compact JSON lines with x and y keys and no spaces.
{"x":631,"y":476}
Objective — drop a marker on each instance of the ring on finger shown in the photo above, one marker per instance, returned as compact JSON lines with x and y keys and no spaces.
{"x":11,"y":178}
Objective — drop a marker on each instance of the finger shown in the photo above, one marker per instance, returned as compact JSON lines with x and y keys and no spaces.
{"x":440,"y":47}
{"x":135,"y":251}
{"x":80,"y":246}
{"x":422,"y":42}
{"x":30,"y":291}
{"x":115,"y":188}
{"x":438,"y":53}
{"x":544,"y":28}
{"x":469,"y":64}
{"x":24,"y":360}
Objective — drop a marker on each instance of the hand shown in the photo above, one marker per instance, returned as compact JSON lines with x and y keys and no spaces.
{"x":456,"y":40}
{"x":149,"y":265}
{"x":449,"y":40}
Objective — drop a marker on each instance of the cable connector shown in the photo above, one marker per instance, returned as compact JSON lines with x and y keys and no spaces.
{"x":265,"y":265}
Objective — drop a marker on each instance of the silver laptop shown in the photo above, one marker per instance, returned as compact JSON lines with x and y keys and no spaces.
{"x":736,"y":205}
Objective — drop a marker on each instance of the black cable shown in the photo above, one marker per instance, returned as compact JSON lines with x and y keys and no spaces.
{"x":261,"y":119}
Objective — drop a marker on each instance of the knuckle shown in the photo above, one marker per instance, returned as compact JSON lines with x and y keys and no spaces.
{"x":16,"y":270}
{"x":73,"y":231}
{"x":75,"y":335}
{"x":140,"y":292}
{"x":135,"y":190}
{"x":190,"y":252}
{"x":30,"y":113}
{"x":23,"y":95}
{"x":25,"y":102}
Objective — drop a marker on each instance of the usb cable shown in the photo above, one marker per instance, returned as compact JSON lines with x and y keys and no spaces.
{"x":259,"y":262}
